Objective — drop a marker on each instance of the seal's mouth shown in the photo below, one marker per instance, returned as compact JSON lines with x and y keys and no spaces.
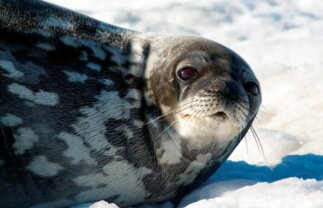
{"x":219,"y":115}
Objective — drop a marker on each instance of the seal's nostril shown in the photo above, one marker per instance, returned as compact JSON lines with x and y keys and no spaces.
{"x":220,"y":114}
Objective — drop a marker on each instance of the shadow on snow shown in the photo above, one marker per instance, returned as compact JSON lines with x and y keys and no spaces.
{"x":301,"y":166}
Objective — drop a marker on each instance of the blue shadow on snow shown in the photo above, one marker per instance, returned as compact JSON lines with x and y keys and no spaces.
{"x":301,"y":166}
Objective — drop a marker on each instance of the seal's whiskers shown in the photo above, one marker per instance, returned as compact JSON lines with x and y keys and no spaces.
{"x":246,"y":143}
{"x":170,"y":125}
{"x":188,"y":121}
{"x":177,"y":110}
{"x":258,"y":142}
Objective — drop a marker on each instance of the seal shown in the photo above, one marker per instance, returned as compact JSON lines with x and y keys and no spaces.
{"x":91,"y":111}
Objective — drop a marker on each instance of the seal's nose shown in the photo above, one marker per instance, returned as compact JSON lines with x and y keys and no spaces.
{"x":228,"y":90}
{"x":219,"y":87}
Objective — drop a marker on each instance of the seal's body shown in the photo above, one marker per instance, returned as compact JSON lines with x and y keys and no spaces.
{"x":90,"y":111}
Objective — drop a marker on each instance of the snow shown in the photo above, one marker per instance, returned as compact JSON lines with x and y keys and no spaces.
{"x":283,"y":43}
{"x":290,"y":192}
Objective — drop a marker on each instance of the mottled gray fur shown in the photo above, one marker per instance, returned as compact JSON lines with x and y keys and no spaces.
{"x":75,"y":99}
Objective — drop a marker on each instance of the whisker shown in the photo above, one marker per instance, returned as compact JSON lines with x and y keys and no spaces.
{"x":258,"y":142}
{"x":176,"y":145}
{"x":243,"y":120}
{"x":245,"y":137}
{"x":170,"y":125}
{"x":188,"y":121}
{"x":243,"y":106}
{"x":251,"y":129}
{"x":259,"y":122}
{"x":177,"y":110}
{"x":246,"y":143}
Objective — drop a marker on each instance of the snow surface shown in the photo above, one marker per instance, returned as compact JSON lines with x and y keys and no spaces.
{"x":283,"y":43}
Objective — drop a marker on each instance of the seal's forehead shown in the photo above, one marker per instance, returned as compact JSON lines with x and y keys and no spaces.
{"x":193,"y":58}
{"x":227,"y":60}
{"x":192,"y":46}
{"x":196,"y":54}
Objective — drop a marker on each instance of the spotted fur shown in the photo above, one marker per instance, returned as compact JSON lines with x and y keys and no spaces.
{"x":78,"y":106}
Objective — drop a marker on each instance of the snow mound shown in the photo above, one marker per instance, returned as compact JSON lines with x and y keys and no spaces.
{"x":234,"y":176}
{"x":290,"y":192}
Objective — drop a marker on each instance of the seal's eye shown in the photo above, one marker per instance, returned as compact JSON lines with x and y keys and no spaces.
{"x":252,"y":88}
{"x":186,"y":73}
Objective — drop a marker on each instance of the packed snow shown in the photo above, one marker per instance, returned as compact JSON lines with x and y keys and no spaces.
{"x":283,"y":43}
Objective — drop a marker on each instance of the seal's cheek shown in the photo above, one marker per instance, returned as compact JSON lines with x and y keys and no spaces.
{"x":162,"y":89}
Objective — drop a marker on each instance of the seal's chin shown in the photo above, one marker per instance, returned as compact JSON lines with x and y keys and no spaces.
{"x":218,"y":125}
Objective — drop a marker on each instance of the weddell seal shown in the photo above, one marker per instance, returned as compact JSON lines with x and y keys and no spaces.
{"x":91,"y":111}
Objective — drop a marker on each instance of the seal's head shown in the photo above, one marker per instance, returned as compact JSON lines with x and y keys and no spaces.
{"x":206,"y":90}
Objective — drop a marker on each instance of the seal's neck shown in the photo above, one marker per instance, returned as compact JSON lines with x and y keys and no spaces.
{"x":170,"y":148}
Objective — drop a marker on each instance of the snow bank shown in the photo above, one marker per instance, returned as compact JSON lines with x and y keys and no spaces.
{"x":240,"y":177}
{"x":290,"y":192}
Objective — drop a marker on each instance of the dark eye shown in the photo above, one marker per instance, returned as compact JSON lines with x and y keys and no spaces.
{"x":252,"y":88}
{"x":186,"y":73}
